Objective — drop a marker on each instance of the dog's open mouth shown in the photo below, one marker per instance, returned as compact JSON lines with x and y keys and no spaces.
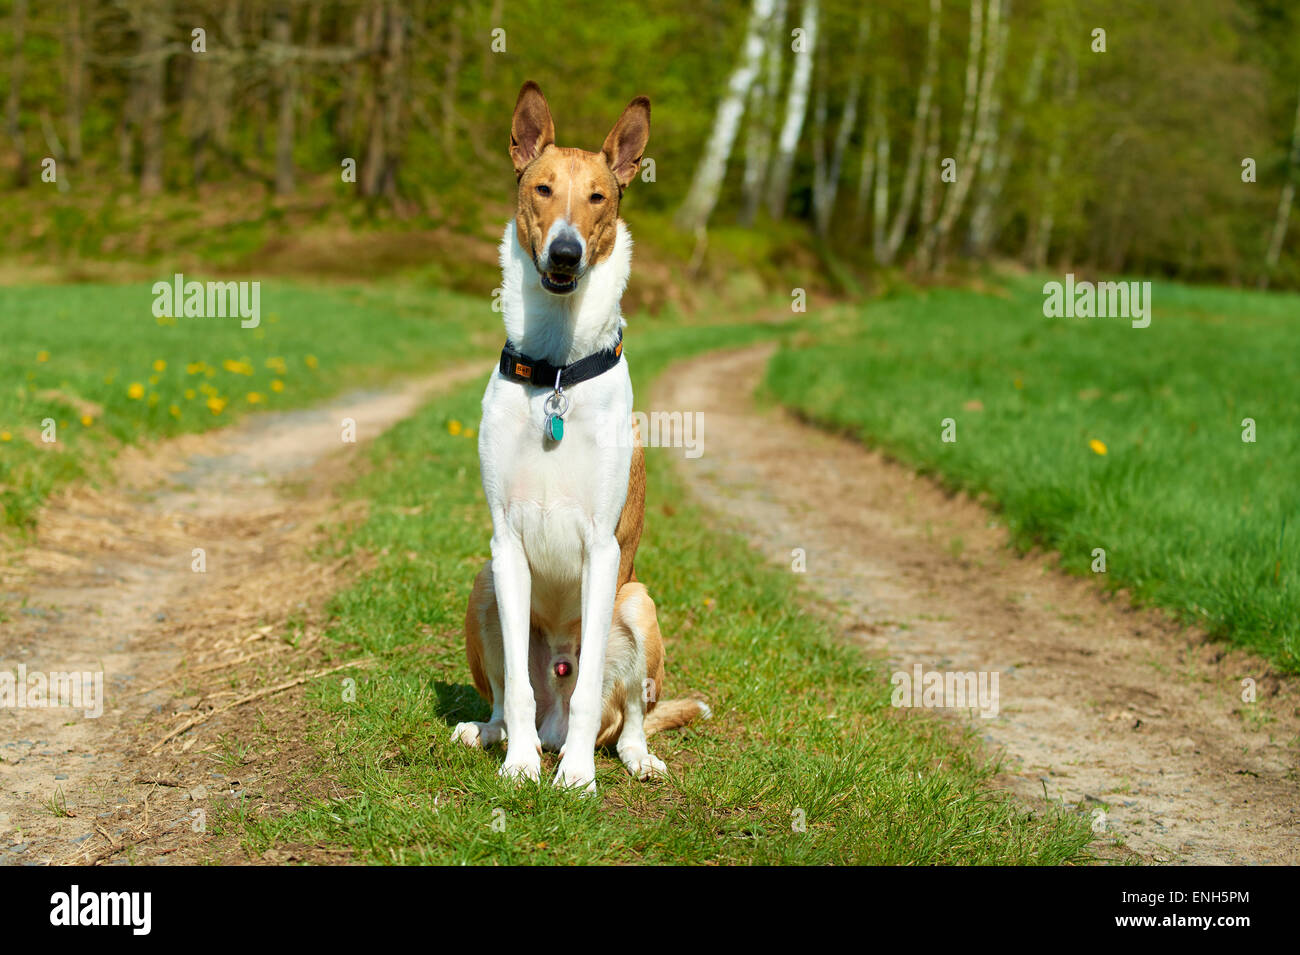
{"x":561,"y":283}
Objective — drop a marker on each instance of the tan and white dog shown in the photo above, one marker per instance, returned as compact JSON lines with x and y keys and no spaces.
{"x":561,"y":637}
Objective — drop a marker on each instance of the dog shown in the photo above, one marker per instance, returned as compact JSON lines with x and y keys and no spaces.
{"x":561,"y":637}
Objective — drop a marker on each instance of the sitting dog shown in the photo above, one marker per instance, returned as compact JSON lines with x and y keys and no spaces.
{"x":562,"y":638}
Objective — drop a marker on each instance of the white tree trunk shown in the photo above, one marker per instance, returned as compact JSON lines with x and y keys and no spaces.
{"x":866,"y":173}
{"x":762,"y":111}
{"x":880,"y":207}
{"x":985,"y":227}
{"x":826,"y":178}
{"x":969,"y":162}
{"x":1284,"y":204}
{"x":1040,"y":238}
{"x":920,"y":125}
{"x":796,"y":108}
{"x":703,"y":196}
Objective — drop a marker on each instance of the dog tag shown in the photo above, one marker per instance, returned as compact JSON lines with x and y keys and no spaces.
{"x":557,"y":405}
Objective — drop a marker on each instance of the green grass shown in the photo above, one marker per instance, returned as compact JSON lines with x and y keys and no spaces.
{"x":803,"y":729}
{"x":72,"y":353}
{"x":1191,"y":517}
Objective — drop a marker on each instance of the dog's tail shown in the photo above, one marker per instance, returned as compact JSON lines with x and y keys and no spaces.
{"x":671,"y":714}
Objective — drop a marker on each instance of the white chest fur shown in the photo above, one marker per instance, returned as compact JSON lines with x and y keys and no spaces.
{"x":559,"y":498}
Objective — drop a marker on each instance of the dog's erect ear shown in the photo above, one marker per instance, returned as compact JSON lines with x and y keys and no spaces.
{"x":626,"y":141}
{"x":531,"y":130}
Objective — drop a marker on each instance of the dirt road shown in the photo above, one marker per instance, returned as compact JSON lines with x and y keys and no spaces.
{"x":1138,"y":720}
{"x":114,"y":584}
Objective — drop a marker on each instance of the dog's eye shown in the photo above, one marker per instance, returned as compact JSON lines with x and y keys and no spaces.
{"x":597,"y":197}
{"x":543,"y":190}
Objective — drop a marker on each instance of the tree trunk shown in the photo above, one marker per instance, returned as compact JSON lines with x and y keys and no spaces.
{"x":880,"y":208}
{"x":13,"y":101}
{"x":286,"y":95}
{"x":796,"y":108}
{"x":920,"y":125}
{"x":929,"y":188}
{"x":985,"y":227}
{"x":980,"y":135}
{"x":75,"y":46}
{"x":703,"y":196}
{"x":762,"y":107}
{"x":451,"y":78}
{"x":379,"y":175}
{"x":152,"y":79}
{"x":1284,"y":204}
{"x":1039,"y":241}
{"x":826,"y":177}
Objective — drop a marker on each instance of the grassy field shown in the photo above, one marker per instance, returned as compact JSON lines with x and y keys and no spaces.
{"x":803,"y":732}
{"x":1089,"y":433}
{"x":95,"y":360}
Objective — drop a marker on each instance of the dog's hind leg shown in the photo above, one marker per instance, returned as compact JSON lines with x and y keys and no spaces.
{"x":634,"y":673}
{"x":484,"y":649}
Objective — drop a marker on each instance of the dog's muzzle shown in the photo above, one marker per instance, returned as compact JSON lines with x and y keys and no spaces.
{"x":563,"y":261}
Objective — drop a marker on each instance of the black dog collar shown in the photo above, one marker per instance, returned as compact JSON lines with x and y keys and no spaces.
{"x":519,"y":367}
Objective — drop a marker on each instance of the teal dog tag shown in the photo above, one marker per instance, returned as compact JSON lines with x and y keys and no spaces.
{"x":554,"y":427}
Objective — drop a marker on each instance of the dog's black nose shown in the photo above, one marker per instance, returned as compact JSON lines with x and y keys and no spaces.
{"x":565,"y":254}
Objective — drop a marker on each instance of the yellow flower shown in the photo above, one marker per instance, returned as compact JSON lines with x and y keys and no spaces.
{"x":175,"y":411}
{"x":87,"y":420}
{"x":216,"y":405}
{"x":277,"y":386}
{"x":43,"y":356}
{"x":6,"y":436}
{"x":254,"y":398}
{"x":194,"y":367}
{"x":136,"y":391}
{"x":159,"y":365}
{"x":277,"y":365}
{"x":153,"y":379}
{"x":469,"y":432}
{"x":1097,"y":446}
{"x":189,"y":394}
{"x":311,"y":361}
{"x":207,"y":389}
{"x":237,"y":367}
{"x":453,"y":426}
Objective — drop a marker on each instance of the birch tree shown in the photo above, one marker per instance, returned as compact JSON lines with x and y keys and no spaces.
{"x":920,"y":125}
{"x":796,"y":109}
{"x":13,"y":98}
{"x":703,"y":195}
{"x":984,"y":225}
{"x":980,"y":131}
{"x":1284,"y":204}
{"x":827,"y":170}
{"x":762,"y":113}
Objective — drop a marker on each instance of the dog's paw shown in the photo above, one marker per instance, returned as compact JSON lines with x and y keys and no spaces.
{"x":522,"y":763}
{"x":577,"y":774}
{"x":643,"y":764}
{"x":478,"y":735}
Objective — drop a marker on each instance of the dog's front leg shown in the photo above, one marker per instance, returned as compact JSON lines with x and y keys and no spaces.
{"x":513,"y":582}
{"x":599,"y":581}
